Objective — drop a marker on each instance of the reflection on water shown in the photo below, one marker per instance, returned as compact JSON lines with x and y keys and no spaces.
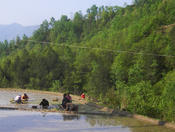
{"x":70,"y":117}
{"x":125,"y":123}
{"x":24,"y":121}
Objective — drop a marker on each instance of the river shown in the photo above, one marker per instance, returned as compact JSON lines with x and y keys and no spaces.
{"x":32,"y":121}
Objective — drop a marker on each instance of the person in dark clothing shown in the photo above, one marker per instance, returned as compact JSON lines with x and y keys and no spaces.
{"x":65,"y":101}
{"x":67,"y":104}
{"x":69,"y":97}
{"x":44,"y":103}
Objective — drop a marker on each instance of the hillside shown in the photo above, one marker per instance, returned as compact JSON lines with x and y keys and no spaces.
{"x":10,"y":32}
{"x":122,"y":57}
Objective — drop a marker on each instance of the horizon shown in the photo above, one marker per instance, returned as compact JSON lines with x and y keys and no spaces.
{"x":31,"y":12}
{"x":14,"y":23}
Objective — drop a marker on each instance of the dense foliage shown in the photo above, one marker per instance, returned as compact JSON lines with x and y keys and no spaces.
{"x":123,"y":57}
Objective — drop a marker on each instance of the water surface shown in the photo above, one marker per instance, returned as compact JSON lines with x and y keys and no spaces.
{"x":27,"y":121}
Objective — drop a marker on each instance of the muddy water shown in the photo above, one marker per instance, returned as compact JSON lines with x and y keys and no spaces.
{"x":25,"y":121}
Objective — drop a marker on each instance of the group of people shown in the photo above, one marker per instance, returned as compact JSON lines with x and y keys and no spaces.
{"x":66,"y":101}
{"x":21,"y":98}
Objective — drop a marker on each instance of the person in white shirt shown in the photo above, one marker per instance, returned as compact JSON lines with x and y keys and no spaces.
{"x":17,"y":99}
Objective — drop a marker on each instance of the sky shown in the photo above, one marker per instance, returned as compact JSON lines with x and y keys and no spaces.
{"x":34,"y":12}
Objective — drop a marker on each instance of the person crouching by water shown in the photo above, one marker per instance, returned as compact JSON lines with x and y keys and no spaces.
{"x":83,"y":96}
{"x":44,"y":104}
{"x":24,"y":97}
{"x":17,"y":99}
{"x":67,"y":103}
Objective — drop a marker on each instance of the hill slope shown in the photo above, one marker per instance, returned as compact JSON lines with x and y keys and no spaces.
{"x":10,"y":32}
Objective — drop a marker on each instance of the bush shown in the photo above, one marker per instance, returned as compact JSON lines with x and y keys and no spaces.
{"x":56,"y":86}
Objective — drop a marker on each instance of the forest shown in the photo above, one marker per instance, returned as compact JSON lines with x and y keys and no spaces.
{"x":123,"y":57}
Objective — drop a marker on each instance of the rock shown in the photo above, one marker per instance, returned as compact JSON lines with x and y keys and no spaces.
{"x":55,"y":99}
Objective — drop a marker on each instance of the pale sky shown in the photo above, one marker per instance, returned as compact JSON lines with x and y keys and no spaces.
{"x":34,"y":12}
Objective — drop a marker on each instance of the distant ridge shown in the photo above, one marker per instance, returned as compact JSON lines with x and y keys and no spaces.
{"x":9,"y":32}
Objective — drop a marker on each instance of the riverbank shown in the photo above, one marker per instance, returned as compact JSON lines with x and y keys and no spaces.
{"x":85,"y":107}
